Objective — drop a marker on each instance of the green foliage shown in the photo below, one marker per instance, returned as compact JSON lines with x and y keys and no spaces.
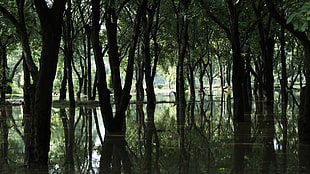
{"x":301,"y":19}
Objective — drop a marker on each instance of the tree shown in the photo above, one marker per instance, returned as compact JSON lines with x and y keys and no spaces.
{"x":114,"y":122}
{"x":51,"y":19}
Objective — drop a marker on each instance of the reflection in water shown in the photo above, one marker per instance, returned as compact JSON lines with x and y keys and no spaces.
{"x":68,"y":126}
{"x":303,"y":156}
{"x":3,"y":139}
{"x":269,"y":164}
{"x":203,"y":142}
{"x":183,"y":157}
{"x":242,"y":145}
{"x":150,"y":133}
{"x":114,"y":155}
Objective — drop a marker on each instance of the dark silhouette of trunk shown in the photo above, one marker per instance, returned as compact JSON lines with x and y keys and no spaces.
{"x":101,"y":82}
{"x":150,"y":69}
{"x":140,"y":94}
{"x":3,"y":67}
{"x":182,"y":41}
{"x":89,"y":69}
{"x":68,"y":50}
{"x":191,"y":82}
{"x":114,"y":59}
{"x":63,"y":85}
{"x":28,"y":109}
{"x":284,"y":94}
{"x":202,"y":72}
{"x":228,"y":74}
{"x":238,"y":62}
{"x":50,"y":20}
{"x":247,"y":86}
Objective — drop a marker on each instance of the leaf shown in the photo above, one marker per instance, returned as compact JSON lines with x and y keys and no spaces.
{"x":290,"y":18}
{"x":303,"y":27}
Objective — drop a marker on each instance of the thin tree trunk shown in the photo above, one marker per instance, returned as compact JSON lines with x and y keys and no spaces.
{"x":68,"y":42}
{"x":3,"y":66}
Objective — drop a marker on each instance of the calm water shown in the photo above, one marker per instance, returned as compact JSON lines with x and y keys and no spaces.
{"x":207,"y":142}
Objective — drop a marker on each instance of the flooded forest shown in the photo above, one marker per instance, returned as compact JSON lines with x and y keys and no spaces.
{"x":154,"y":86}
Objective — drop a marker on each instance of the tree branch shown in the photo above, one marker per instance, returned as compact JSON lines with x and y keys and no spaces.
{"x":281,"y":20}
{"x":214,"y":18}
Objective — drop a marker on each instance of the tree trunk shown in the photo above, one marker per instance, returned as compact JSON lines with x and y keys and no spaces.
{"x":304,"y":119}
{"x":114,"y":59}
{"x":3,"y":67}
{"x":101,"y":83}
{"x":182,"y":39}
{"x":147,"y":20}
{"x":238,"y":63}
{"x":139,"y":93}
{"x":68,"y":44}
{"x":51,"y":20}
{"x":63,"y":85}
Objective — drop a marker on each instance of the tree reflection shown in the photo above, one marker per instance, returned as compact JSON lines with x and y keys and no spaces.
{"x":268,"y":133}
{"x":3,"y":139}
{"x":68,"y":124}
{"x":242,"y":144}
{"x":114,"y":155}
{"x":303,"y":155}
{"x":151,"y":132}
{"x":184,"y":156}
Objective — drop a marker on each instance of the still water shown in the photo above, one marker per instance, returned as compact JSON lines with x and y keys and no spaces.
{"x":208,"y":141}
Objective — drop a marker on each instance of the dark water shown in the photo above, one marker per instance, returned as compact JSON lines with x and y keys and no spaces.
{"x":207,"y":142}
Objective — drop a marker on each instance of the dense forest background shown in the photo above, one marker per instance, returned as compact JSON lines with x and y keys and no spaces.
{"x":109,"y":51}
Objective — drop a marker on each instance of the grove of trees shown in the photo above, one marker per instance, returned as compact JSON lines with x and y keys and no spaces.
{"x":110,"y":50}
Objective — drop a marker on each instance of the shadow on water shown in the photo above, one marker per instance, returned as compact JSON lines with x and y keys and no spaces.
{"x":205,"y":141}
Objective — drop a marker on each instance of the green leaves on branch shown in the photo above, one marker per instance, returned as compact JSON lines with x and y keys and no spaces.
{"x":301,"y":19}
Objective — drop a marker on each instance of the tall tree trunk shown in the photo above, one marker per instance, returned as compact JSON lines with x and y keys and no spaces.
{"x":3,"y":67}
{"x":50,"y":20}
{"x":284,"y":95}
{"x":68,"y":44}
{"x":101,"y":82}
{"x":147,"y":21}
{"x":114,"y":59}
{"x":182,"y":39}
{"x":238,"y":62}
{"x":68,"y":49}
